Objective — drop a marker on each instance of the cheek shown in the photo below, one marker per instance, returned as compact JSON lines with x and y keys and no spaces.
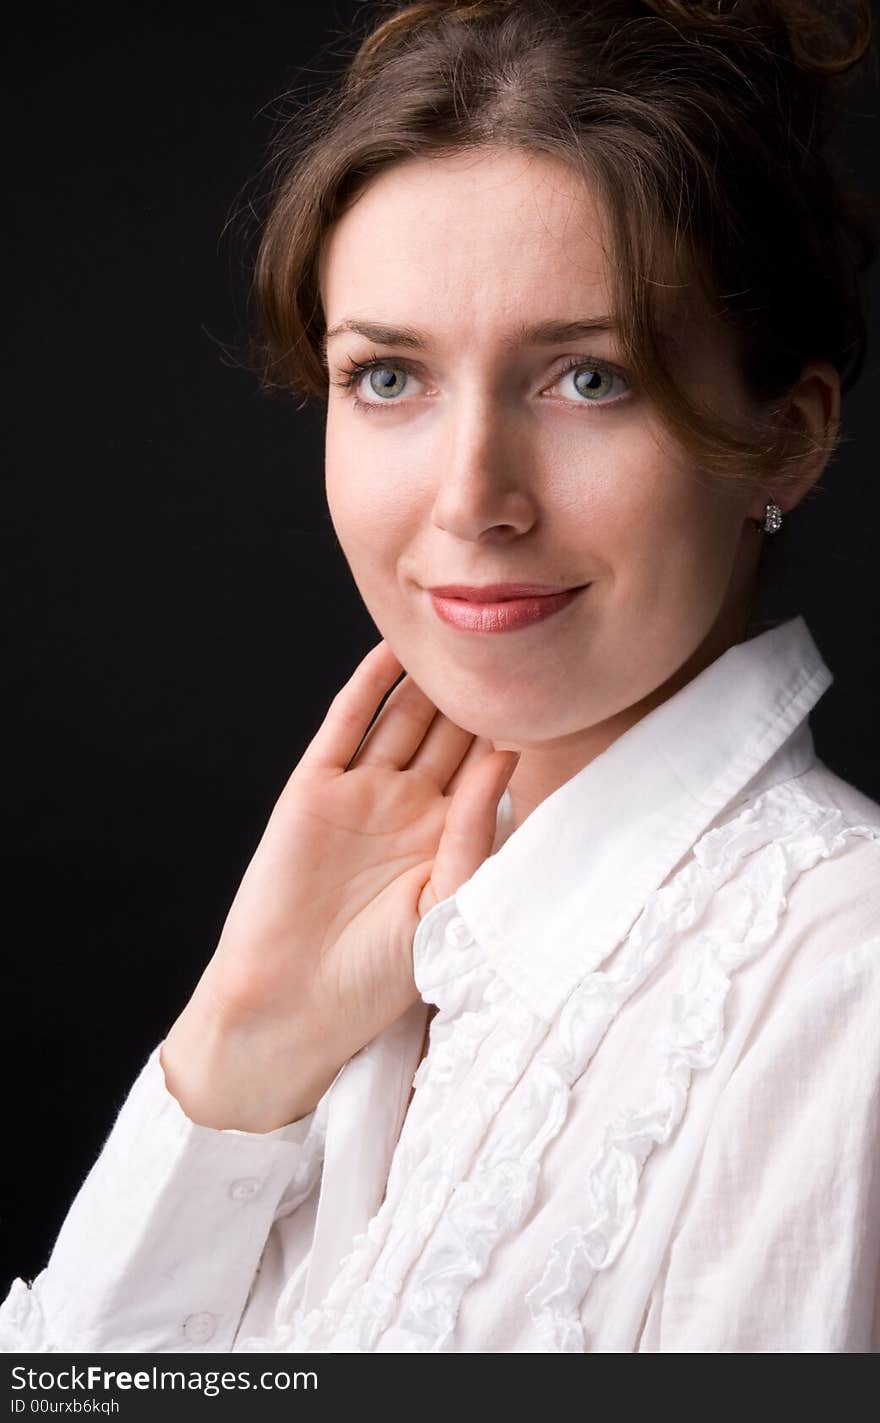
{"x":371,"y":508}
{"x":666,"y":520}
{"x":669,"y":541}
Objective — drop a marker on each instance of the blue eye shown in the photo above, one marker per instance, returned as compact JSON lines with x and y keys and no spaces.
{"x":384,"y":380}
{"x":593,"y":380}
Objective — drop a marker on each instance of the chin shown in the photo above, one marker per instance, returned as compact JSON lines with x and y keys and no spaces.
{"x":508,"y":719}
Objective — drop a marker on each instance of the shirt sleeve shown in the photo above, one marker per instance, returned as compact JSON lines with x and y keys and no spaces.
{"x":777,"y":1245}
{"x":162,"y":1242}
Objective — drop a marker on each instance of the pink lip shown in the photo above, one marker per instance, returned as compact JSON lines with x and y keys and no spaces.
{"x":499,"y":607}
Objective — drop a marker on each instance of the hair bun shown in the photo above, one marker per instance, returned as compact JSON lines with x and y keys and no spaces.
{"x":822,"y":37}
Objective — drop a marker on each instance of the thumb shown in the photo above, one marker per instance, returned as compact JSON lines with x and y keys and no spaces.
{"x":469,"y":831}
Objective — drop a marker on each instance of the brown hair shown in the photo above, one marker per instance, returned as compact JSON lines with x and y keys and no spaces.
{"x":709,"y":122}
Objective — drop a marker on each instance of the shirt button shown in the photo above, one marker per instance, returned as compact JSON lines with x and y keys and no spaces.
{"x":198,"y":1328}
{"x":458,"y":934}
{"x":245,"y":1187}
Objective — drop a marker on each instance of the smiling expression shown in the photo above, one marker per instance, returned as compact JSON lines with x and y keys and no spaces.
{"x":481,"y":429}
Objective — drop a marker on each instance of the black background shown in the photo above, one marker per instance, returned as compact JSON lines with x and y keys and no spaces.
{"x":180,"y":612}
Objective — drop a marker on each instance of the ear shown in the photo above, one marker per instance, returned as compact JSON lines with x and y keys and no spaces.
{"x":812,"y":411}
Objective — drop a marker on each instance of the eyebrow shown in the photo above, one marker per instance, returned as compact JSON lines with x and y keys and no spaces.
{"x":543,"y":333}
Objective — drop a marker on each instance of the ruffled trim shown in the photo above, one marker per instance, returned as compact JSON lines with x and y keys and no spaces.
{"x":691,"y":1041}
{"x":471,"y":1003}
{"x":495,"y":1089}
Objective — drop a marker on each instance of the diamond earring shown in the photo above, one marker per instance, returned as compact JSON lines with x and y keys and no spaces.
{"x":772,"y":518}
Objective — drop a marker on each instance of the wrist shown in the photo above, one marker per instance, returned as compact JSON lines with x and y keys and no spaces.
{"x":229,"y":1077}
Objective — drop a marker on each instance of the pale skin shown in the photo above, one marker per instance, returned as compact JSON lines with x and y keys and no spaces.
{"x":480,"y":459}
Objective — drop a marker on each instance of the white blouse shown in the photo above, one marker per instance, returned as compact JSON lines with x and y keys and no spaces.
{"x":649,"y":1114}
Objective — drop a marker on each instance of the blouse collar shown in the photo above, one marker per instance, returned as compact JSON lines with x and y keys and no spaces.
{"x":567,"y":884}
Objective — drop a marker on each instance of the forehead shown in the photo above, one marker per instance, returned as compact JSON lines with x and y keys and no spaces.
{"x":484,"y":237}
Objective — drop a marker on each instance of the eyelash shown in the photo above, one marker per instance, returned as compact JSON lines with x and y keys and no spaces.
{"x":353,"y":371}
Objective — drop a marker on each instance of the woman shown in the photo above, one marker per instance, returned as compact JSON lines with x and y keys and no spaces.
{"x":545,"y":1015}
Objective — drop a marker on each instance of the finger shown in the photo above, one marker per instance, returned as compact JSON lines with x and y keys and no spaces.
{"x":349,"y":715}
{"x":442,"y":751}
{"x":479,"y":749}
{"x":399,"y":729}
{"x":471,"y":823}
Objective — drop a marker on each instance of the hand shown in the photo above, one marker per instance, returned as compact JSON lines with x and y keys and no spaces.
{"x":315,"y":956}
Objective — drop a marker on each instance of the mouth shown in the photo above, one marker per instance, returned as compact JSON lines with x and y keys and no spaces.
{"x":499,"y":607}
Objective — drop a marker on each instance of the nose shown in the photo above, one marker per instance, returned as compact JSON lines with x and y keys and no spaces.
{"x":485,"y":488}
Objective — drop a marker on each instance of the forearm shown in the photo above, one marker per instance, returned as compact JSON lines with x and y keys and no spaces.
{"x":160,"y":1246}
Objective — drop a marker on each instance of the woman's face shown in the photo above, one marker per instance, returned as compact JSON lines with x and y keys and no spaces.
{"x":479,"y":450}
